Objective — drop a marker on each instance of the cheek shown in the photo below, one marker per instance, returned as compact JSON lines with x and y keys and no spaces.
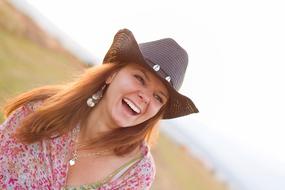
{"x":121,"y":85}
{"x":153,"y":110}
{"x":128,"y":84}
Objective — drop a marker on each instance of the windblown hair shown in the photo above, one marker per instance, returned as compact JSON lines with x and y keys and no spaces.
{"x":64,"y":106}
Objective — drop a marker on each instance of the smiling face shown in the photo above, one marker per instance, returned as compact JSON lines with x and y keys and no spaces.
{"x":134,"y":95}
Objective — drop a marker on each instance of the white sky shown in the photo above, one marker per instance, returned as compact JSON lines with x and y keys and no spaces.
{"x":236,"y":57}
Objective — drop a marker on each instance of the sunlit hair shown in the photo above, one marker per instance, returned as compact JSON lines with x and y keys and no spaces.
{"x":64,"y":106}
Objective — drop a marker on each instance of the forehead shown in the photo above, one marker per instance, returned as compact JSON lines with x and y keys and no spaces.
{"x":149,"y":74}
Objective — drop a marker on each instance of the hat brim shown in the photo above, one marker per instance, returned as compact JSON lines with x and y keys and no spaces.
{"x":126,"y":49}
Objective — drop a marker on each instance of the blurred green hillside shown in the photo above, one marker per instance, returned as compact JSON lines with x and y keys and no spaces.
{"x":30,"y":58}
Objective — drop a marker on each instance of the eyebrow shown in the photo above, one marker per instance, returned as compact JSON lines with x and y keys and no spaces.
{"x":146,"y":76}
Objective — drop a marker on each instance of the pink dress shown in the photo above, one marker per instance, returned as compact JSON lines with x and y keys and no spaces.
{"x":43,"y":165}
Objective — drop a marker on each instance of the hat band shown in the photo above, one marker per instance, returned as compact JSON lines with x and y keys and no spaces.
{"x":157,"y":68}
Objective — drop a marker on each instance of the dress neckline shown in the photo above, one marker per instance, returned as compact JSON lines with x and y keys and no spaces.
{"x":144,"y":152}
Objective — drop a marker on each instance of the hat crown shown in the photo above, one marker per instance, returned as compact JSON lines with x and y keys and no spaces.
{"x":171,"y":58}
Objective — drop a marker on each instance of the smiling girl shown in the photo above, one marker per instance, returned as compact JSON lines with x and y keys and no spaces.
{"x":93,"y":133}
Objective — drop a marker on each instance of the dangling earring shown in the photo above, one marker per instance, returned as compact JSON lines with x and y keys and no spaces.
{"x":91,"y":102}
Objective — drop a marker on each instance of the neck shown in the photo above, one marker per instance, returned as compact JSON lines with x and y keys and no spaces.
{"x":97,"y":123}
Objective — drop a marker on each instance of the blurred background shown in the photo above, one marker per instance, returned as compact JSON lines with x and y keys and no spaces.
{"x":235,"y":77}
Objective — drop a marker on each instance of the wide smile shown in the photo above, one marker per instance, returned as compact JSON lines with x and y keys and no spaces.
{"x":130,"y":107}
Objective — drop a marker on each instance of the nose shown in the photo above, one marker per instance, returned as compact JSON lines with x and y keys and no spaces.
{"x":144,"y":97}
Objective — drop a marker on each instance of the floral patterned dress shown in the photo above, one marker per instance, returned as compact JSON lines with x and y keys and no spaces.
{"x":44,"y":165}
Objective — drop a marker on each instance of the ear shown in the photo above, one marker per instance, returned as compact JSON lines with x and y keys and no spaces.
{"x":111,"y":77}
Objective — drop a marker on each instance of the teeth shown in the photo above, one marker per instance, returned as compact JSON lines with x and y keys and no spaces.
{"x":132,"y":105}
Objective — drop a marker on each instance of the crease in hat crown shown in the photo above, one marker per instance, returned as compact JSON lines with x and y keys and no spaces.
{"x":171,"y":58}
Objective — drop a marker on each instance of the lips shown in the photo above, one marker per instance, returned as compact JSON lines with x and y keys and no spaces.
{"x":131,"y":106}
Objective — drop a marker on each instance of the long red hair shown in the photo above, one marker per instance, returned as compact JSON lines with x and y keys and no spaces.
{"x":64,"y":106}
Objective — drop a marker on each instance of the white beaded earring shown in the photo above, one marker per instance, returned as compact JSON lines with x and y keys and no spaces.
{"x":91,"y":102}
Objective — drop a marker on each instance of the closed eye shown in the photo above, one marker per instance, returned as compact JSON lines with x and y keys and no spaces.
{"x":158,"y":98}
{"x":140,"y":79}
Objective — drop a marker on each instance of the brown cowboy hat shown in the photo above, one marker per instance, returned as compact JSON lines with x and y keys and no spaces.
{"x":164,"y":57}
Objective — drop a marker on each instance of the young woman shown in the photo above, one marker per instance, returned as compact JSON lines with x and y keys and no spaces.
{"x":93,"y":133}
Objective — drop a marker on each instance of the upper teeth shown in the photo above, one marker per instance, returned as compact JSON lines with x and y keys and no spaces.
{"x":132,"y":105}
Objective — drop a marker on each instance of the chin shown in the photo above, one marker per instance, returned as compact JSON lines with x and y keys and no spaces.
{"x":123,"y":123}
{"x":122,"y":119}
{"x":119,"y":122}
